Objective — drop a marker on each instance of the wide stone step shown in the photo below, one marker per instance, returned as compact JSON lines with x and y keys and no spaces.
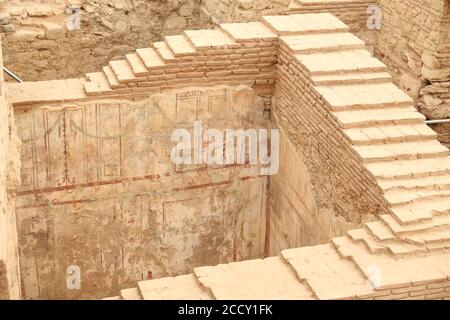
{"x":416,"y":184}
{"x":404,"y":169}
{"x":404,"y":197}
{"x":374,"y":118}
{"x":297,"y":24}
{"x":401,"y":151}
{"x":423,"y":210}
{"x":248,"y":31}
{"x":336,"y":63}
{"x":436,"y":223}
{"x":390,"y":134}
{"x":352,"y":78}
{"x":320,"y":43}
{"x":364,"y":96}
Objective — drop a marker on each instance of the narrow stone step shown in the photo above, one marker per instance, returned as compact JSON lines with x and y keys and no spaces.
{"x":151,"y":59}
{"x":112,"y":79}
{"x":137,"y":65}
{"x":401,"y":151}
{"x":352,"y":78}
{"x":391,"y":134}
{"x":180,"y":46}
{"x":378,"y":117}
{"x":122,"y":70}
{"x":164,"y":52}
{"x":298,"y":24}
{"x":380,"y":230}
{"x":210,"y":39}
{"x":339,"y":62}
{"x":367,"y":96}
{"x":320,"y":43}
{"x":404,"y":169}
{"x":131,"y":294}
{"x":363,"y":235}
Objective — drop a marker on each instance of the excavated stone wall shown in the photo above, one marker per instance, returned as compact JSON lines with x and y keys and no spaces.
{"x":100,"y":192}
{"x":39,"y":43}
{"x":414,"y":43}
{"x":9,"y":180}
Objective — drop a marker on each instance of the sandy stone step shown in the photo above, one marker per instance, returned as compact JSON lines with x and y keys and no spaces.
{"x":123,"y":71}
{"x":420,"y":211}
{"x":401,"y":229}
{"x":164,"y":52}
{"x":367,"y":96}
{"x":113,"y":298}
{"x":210,"y":39}
{"x":298,"y":24}
{"x":97,"y":84}
{"x":137,"y":65}
{"x":390,"y":134}
{"x":378,"y":117}
{"x":369,"y":241}
{"x":180,"y":46}
{"x":112,"y":79}
{"x":352,"y":78}
{"x":403,"y":197}
{"x":380,"y":230}
{"x":336,"y":63}
{"x":401,"y":151}
{"x":404,"y":169}
{"x":320,"y":43}
{"x":426,"y":183}
{"x":332,"y":277}
{"x":248,"y":31}
{"x":151,"y":59}
{"x":131,"y":294}
{"x":253,"y":279}
{"x":184,"y":287}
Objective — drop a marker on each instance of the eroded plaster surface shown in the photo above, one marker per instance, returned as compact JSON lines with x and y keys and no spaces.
{"x":100,"y":192}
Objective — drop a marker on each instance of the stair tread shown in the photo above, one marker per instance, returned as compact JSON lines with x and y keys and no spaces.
{"x":151,"y":58}
{"x":352,"y":78}
{"x":122,"y":70}
{"x":164,"y":51}
{"x":137,"y":65}
{"x":391,"y":134}
{"x":429,"y":183}
{"x":322,"y":42}
{"x":180,"y":46}
{"x":305,"y":24}
{"x":377,"y":117}
{"x":364,"y":96}
{"x":338,"y":62}
{"x":410,"y":168}
{"x":131,"y":294}
{"x":404,"y":150}
{"x":247,"y":31}
{"x":112,"y":78}
{"x":207,"y":39}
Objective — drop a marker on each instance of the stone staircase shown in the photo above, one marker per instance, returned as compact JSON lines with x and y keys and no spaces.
{"x":347,"y":89}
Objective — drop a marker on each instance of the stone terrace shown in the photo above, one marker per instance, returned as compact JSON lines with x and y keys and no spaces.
{"x":321,"y":76}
